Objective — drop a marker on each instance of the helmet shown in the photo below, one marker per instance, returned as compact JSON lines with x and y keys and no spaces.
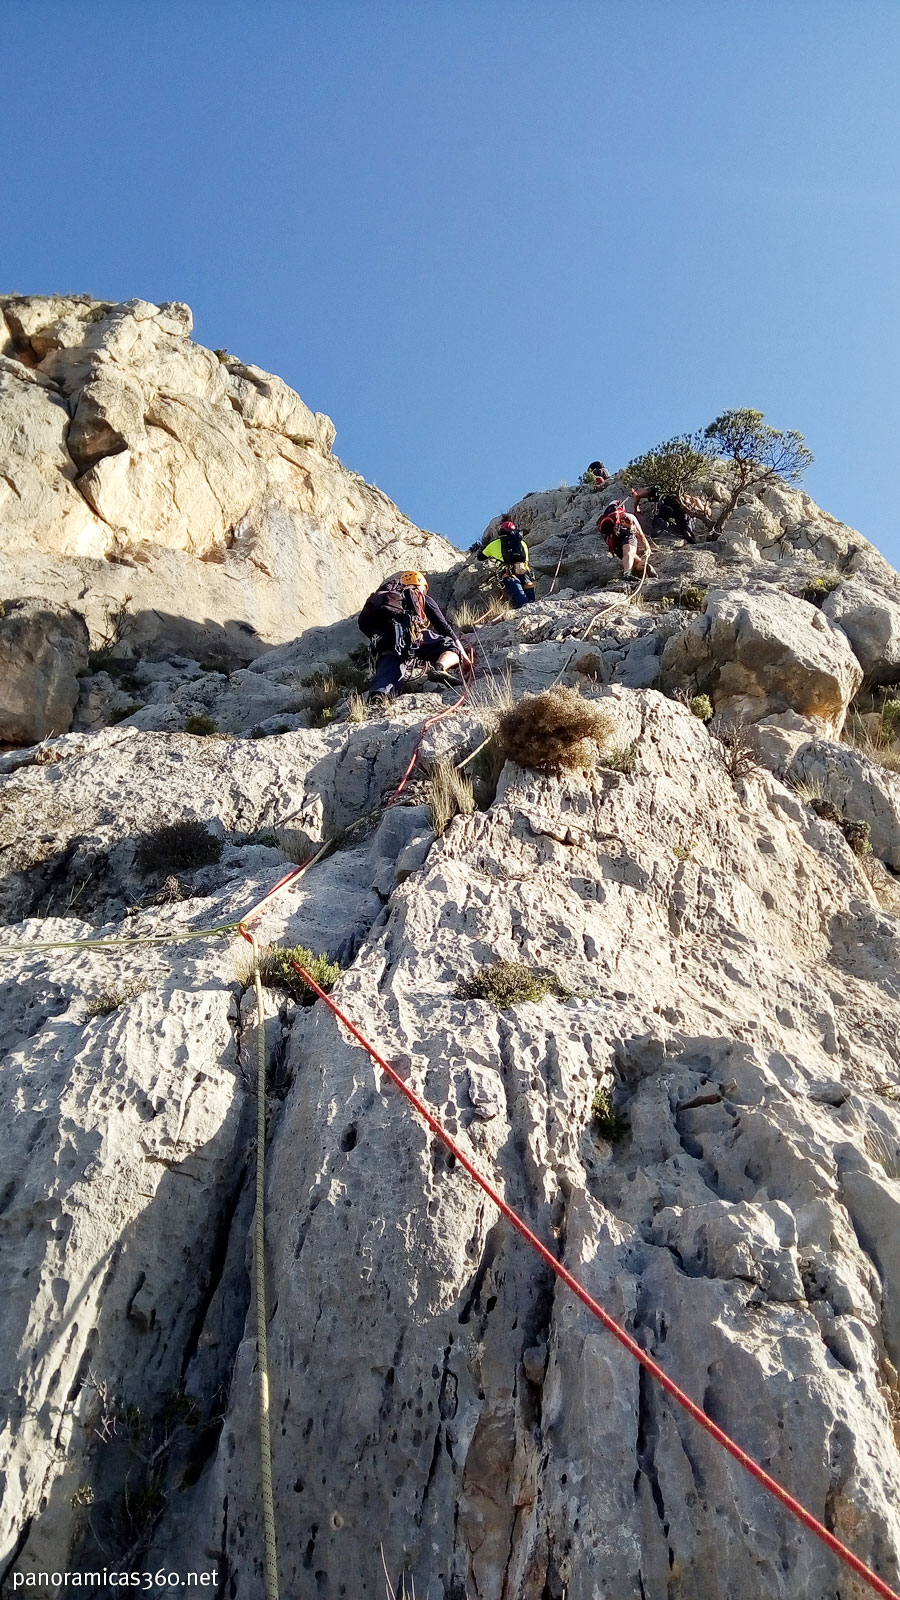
{"x":507,"y":522}
{"x":415,"y":580}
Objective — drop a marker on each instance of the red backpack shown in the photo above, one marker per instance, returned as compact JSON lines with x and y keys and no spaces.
{"x":614,"y":526}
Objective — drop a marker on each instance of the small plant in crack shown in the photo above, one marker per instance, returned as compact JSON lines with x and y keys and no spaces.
{"x":606,"y":1120}
{"x":277,"y":971}
{"x":510,"y":983}
{"x":104,"y":1004}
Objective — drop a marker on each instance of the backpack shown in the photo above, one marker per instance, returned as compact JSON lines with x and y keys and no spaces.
{"x":512,"y":548}
{"x":614,"y":527}
{"x":388,"y":617}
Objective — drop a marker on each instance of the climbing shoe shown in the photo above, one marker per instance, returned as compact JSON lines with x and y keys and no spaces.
{"x":438,"y":675}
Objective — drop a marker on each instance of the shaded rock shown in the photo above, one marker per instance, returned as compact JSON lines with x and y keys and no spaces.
{"x":42,"y":649}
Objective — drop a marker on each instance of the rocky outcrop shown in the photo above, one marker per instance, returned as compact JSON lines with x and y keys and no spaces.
{"x":757,"y":652}
{"x":137,"y":466}
{"x":42,"y":649}
{"x":869,"y":615}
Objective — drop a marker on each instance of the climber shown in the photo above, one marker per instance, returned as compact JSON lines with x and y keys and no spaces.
{"x":674,"y":509}
{"x":405,"y":625}
{"x":625,"y":538}
{"x":596,"y":471}
{"x":509,"y":550}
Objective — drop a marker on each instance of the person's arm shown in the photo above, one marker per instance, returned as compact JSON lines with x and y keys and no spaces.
{"x":436,"y":616}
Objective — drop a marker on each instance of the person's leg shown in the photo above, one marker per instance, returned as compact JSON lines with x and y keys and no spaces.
{"x":528,"y":591}
{"x":629,"y":551}
{"x":515,"y":593}
{"x":387,"y":675}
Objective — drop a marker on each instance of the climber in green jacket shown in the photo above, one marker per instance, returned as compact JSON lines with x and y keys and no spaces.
{"x":510,"y":551}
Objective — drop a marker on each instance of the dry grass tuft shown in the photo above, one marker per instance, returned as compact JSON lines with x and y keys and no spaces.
{"x":554,"y":731}
{"x":357,"y":708}
{"x":466,"y":616}
{"x":858,"y":735}
{"x":103,"y":1005}
{"x":508,"y":983}
{"x":450,"y":794}
{"x":737,"y":749}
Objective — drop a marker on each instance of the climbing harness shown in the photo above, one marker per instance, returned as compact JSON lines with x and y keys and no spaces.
{"x":259,"y":1255}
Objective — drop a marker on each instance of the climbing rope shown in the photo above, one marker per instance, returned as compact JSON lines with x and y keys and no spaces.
{"x":684,"y":1400}
{"x":429,"y":723}
{"x":259,"y":1253}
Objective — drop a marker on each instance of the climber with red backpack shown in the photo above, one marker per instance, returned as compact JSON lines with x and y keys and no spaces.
{"x":509,"y":550}
{"x":625,"y":539}
{"x":404,"y":625}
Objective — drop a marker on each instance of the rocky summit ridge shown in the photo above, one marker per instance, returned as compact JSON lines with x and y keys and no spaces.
{"x":698,"y":1113}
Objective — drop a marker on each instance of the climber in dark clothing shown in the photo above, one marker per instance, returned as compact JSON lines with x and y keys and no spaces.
{"x":673,"y":510}
{"x":404,"y":625}
{"x":509,"y":550}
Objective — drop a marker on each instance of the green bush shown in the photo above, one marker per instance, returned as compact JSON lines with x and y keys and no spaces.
{"x":176,"y":847}
{"x":277,"y":971}
{"x":509,"y":983}
{"x":890,"y":718}
{"x":818,"y":589}
{"x":201,"y":725}
{"x":123,"y":712}
{"x":620,"y":758}
{"x":605,"y":1119}
{"x":672,"y":465}
{"x":702,"y":707}
{"x":692,"y":597}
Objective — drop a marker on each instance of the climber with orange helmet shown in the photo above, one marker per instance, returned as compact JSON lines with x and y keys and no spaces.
{"x":405,"y":625}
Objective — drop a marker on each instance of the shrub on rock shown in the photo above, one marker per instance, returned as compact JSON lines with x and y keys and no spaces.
{"x":554,"y":731}
{"x":177,"y":847}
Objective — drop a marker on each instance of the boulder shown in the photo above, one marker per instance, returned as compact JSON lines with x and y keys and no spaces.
{"x":870,"y":617}
{"x":43,"y":647}
{"x":757,"y":651}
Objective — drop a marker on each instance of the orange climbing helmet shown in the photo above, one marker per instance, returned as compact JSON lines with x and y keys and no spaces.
{"x":414,"y":580}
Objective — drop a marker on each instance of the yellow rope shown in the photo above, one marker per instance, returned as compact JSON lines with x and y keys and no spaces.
{"x":262,"y":1343}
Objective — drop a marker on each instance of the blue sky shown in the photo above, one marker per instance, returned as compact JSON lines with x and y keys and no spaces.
{"x":492,"y":240}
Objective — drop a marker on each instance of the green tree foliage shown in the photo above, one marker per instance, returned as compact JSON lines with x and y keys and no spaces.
{"x":672,"y":465}
{"x":758,"y":454}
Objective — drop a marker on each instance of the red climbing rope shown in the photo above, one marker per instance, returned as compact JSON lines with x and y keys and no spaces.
{"x":429,"y":723}
{"x":756,"y":1471}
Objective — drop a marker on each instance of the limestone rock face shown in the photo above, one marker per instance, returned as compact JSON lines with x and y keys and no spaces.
{"x":702,"y":1121}
{"x":136,"y":464}
{"x":42,"y":649}
{"x":870,"y":617}
{"x":757,"y":651}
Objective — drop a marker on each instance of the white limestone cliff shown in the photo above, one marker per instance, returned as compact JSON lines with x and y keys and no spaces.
{"x":133,"y":462}
{"x":730,"y":947}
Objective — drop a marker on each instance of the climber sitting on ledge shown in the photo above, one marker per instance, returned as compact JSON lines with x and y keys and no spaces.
{"x":677,"y":511}
{"x":625,"y":539}
{"x":405,"y":625}
{"x":509,"y":550}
